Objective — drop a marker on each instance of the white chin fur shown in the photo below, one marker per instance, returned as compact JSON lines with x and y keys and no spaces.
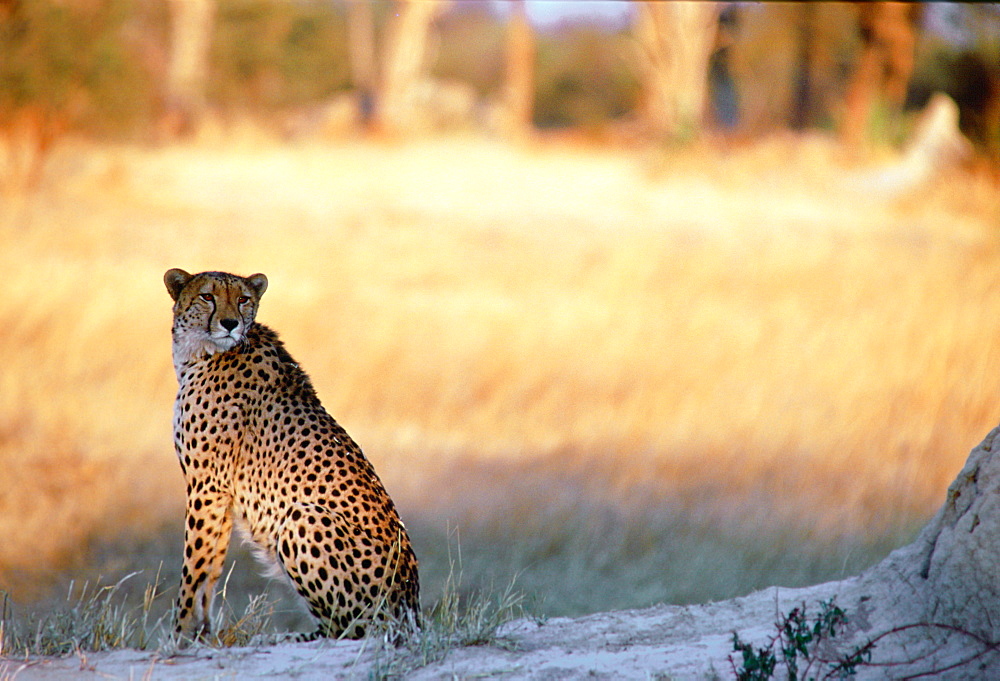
{"x":225,"y":342}
{"x":192,"y":348}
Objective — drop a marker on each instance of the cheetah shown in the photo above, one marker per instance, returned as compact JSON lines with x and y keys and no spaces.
{"x":258,"y":449}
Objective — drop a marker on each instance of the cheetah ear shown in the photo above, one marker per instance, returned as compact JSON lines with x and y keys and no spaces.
{"x":176,"y":280}
{"x":258,"y":282}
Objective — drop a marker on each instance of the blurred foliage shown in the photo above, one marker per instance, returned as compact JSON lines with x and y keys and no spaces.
{"x":268,"y":55}
{"x":471,"y":49}
{"x":585,"y":77}
{"x":80,"y":60}
{"x":967,"y":70}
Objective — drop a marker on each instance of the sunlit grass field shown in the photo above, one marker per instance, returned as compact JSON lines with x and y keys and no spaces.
{"x":621,"y":377}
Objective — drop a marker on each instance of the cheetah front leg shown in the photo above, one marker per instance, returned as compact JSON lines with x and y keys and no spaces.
{"x":207,"y":529}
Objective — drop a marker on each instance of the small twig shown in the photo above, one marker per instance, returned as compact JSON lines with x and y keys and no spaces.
{"x":988,"y":646}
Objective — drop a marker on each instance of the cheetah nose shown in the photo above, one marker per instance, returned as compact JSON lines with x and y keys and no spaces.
{"x":229,"y":324}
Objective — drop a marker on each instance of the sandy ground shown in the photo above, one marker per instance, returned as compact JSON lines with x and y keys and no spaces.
{"x":662,"y":642}
{"x":658,"y":642}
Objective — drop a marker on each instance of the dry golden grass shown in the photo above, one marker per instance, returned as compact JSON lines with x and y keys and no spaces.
{"x":741,"y":338}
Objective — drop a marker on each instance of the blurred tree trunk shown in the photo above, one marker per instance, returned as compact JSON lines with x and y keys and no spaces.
{"x":191,"y":23}
{"x":361,"y":48}
{"x":676,"y":40}
{"x":404,"y":63}
{"x":888,"y":32}
{"x":803,"y":108}
{"x":519,"y":92}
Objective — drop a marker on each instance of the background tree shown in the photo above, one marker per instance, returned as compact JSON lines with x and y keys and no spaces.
{"x":803,"y":108}
{"x":675,"y":40}
{"x":519,"y":86}
{"x":361,"y":47}
{"x":191,"y":27}
{"x":404,"y":64}
{"x":788,"y":62}
{"x":888,"y":32}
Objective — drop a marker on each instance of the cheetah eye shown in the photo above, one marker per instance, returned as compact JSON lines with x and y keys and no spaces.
{"x":208,"y":297}
{"x":243,"y":300}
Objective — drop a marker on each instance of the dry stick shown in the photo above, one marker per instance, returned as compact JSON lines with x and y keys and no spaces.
{"x":988,"y":646}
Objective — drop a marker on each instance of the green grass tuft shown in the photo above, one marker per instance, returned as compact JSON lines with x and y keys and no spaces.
{"x":94,"y":618}
{"x":458,"y":619}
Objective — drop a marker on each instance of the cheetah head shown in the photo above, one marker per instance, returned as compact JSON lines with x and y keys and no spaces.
{"x":212,"y":310}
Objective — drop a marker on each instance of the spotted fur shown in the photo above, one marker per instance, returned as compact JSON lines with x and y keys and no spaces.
{"x":257,"y":448}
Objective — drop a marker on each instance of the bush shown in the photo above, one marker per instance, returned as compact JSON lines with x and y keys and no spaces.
{"x":271,"y":55}
{"x":71,"y":60}
{"x":584,"y":78}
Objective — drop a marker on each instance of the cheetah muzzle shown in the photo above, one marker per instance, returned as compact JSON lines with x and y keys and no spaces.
{"x":258,"y":449}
